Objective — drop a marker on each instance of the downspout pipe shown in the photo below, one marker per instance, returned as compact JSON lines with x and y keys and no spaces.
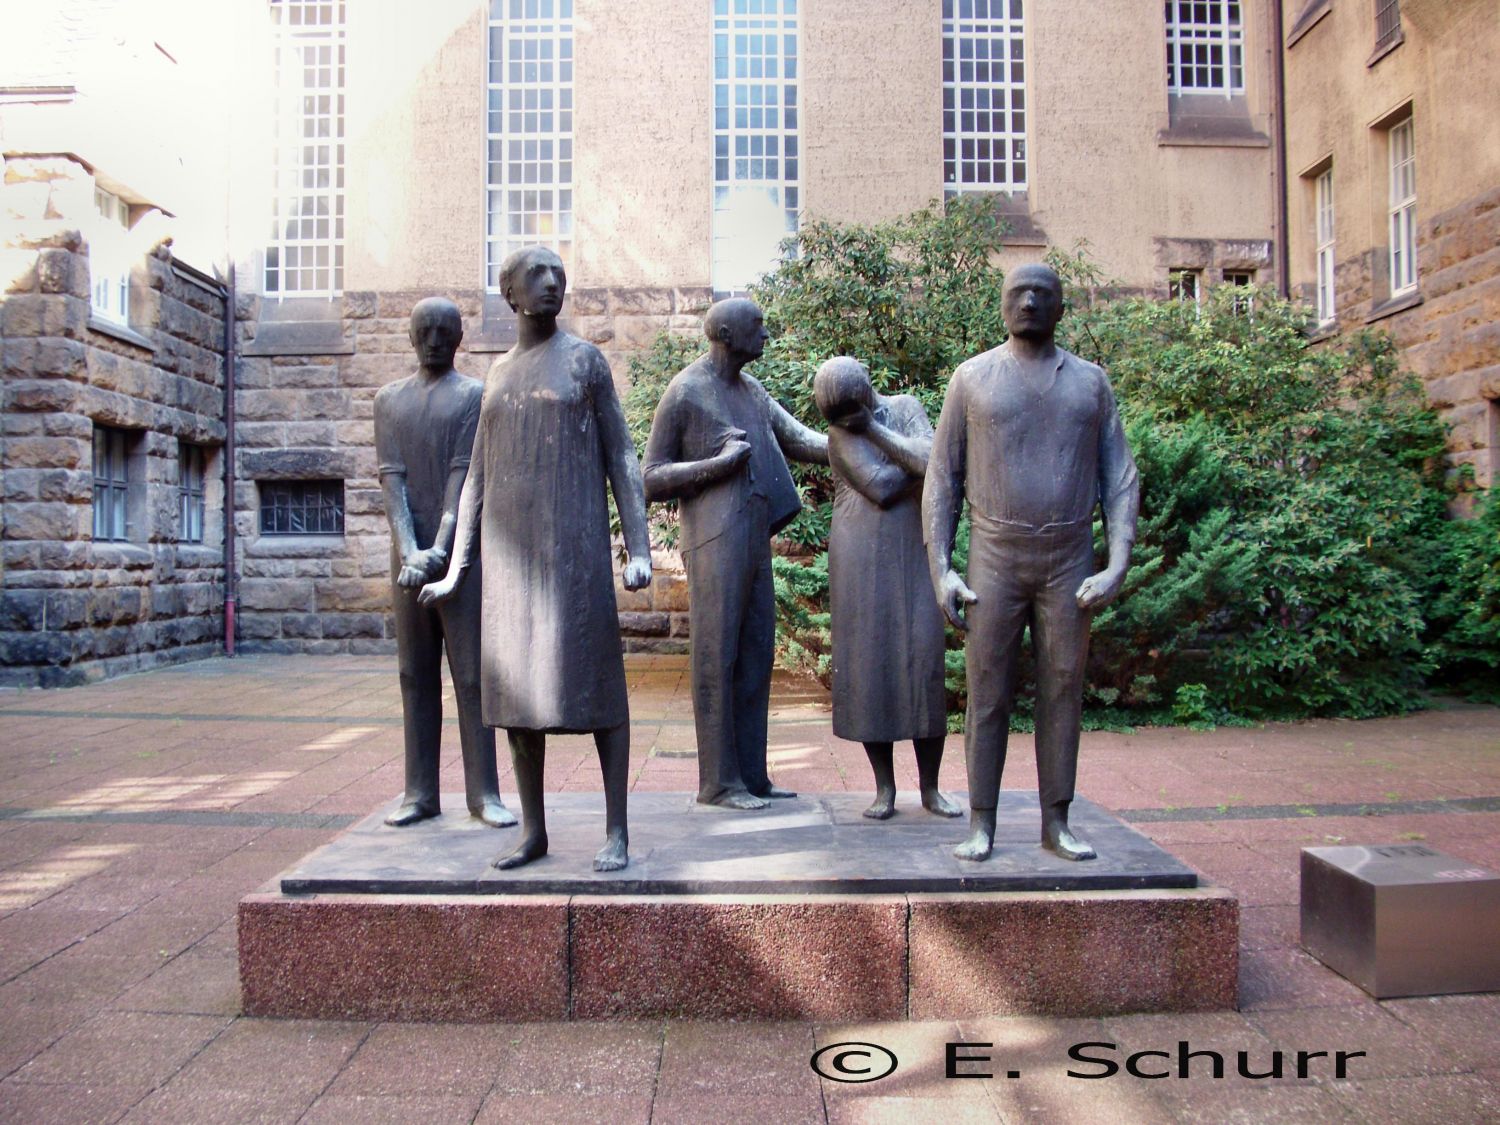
{"x":231,"y":585}
{"x":1278,"y":94}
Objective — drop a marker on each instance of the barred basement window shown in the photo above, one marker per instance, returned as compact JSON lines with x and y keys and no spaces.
{"x":190,"y":460}
{"x":1205,"y":47}
{"x":1401,"y":142}
{"x":109,"y":258}
{"x":1387,"y":22}
{"x":756,"y":155}
{"x":984,"y":96}
{"x":302,"y":507}
{"x":305,"y":256}
{"x":1324,"y":203}
{"x":530,"y":128}
{"x":111,"y":485}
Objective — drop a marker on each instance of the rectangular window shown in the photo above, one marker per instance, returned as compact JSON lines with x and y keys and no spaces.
{"x":302,"y":507}
{"x":109,"y":257}
{"x":1323,"y":201}
{"x":756,"y":155}
{"x":190,"y":460}
{"x":1205,"y":47}
{"x":1387,"y":22}
{"x":1242,"y":303}
{"x":305,"y":255}
{"x":111,"y":485}
{"x":529,"y":185}
{"x":984,"y":96}
{"x":1403,"y":207}
{"x":1182,"y":285}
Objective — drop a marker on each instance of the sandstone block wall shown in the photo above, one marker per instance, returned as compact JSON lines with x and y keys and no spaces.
{"x":310,"y":416}
{"x":70,"y":608}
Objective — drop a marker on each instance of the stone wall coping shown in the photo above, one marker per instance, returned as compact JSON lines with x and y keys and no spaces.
{"x":120,"y":332}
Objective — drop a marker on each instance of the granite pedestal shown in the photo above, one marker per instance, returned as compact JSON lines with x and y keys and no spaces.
{"x":804,"y":910}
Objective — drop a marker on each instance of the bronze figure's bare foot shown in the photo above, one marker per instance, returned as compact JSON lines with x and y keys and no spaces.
{"x":977,"y":847}
{"x":774,"y":792}
{"x":613,"y":856}
{"x":410,"y":813}
{"x":884,"y":805}
{"x":494,"y":813}
{"x":739,"y":799}
{"x":938,"y":804}
{"x":531,"y":848}
{"x":1057,"y":839}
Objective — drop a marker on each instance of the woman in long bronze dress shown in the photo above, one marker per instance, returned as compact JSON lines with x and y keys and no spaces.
{"x":551,"y":434}
{"x":887,"y":626}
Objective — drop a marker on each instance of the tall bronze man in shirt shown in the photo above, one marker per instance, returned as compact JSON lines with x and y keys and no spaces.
{"x":719,"y":444}
{"x":1030,"y":434}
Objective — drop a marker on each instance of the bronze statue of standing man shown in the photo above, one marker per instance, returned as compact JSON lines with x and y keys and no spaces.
{"x":1031,"y":436}
{"x":424,"y":431}
{"x":719,"y":445}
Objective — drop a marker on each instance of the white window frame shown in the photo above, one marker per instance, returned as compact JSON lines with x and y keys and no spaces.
{"x":1242,"y":303}
{"x":756,"y":52}
{"x":1402,"y":212}
{"x":109,"y":258}
{"x":1323,"y":225}
{"x":529,"y":130}
{"x":111,"y":485}
{"x":1186,"y":286}
{"x":1205,"y":47}
{"x":191,"y":460}
{"x":984,"y":96}
{"x":304,"y":256}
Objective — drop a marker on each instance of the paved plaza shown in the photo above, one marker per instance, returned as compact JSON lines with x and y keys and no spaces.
{"x":135,"y":814}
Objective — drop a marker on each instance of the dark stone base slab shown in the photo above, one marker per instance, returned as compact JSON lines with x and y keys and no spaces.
{"x":726,"y":915}
{"x":819,"y":844}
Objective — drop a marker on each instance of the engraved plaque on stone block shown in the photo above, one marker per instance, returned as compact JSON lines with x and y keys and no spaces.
{"x":1402,"y":920}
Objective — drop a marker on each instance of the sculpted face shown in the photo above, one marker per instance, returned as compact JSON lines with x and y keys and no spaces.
{"x":1032,"y":302}
{"x":536,"y":285}
{"x":435,"y":333}
{"x":740,"y":326}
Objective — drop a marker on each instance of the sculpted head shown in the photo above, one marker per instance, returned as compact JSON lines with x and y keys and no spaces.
{"x":435,"y":332}
{"x":1032,"y":302}
{"x":841,"y":386}
{"x":738,"y":325}
{"x":533,"y":281}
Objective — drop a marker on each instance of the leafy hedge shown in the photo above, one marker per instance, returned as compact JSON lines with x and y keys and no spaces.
{"x":1295,"y":556}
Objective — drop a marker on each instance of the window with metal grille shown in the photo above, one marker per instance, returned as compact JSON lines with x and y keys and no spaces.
{"x":302,"y":507}
{"x":530,"y":129}
{"x":984,"y":96}
{"x":1324,"y":226}
{"x":190,"y":461}
{"x":1387,"y":22}
{"x":111,"y":484}
{"x":109,"y":257}
{"x":1182,"y":285}
{"x":1205,"y":47}
{"x":305,"y":254}
{"x":1401,"y":143}
{"x":756,"y":157}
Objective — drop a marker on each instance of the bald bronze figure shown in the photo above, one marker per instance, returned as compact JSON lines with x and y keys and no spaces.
{"x":424,"y":432}
{"x":719,"y":445}
{"x":1030,"y":435}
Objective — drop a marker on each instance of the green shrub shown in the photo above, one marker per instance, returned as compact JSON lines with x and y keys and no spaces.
{"x":1294,"y":552}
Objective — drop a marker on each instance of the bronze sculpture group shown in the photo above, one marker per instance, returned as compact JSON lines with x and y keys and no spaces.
{"x":497,"y":500}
